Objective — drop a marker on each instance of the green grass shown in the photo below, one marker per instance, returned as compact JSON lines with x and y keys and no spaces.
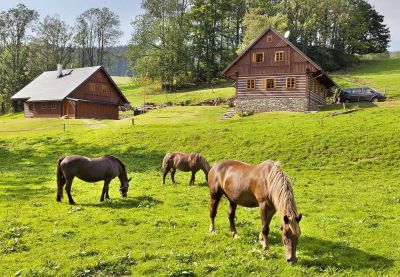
{"x":137,"y":95}
{"x":344,"y":169}
{"x":152,"y":93}
{"x":119,"y":80}
{"x":382,"y":74}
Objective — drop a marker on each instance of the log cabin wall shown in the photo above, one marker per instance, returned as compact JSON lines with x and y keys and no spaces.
{"x":316,"y":92}
{"x":99,"y":88}
{"x":280,"y":90}
{"x":28,"y":110}
{"x":48,"y":109}
{"x":293,"y":62}
{"x":94,"y":110}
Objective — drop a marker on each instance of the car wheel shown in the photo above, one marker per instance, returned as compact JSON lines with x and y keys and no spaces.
{"x":375,"y":100}
{"x":346,"y":101}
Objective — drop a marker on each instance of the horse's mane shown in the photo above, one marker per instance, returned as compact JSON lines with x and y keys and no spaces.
{"x":116,"y":159}
{"x":280,"y":190}
{"x":203,"y":161}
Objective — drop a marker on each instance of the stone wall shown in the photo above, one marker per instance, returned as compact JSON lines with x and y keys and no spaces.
{"x":295,"y":104}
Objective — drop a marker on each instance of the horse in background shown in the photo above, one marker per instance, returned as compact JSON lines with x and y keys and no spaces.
{"x":266,"y":186}
{"x":184,"y":162}
{"x":90,"y":170}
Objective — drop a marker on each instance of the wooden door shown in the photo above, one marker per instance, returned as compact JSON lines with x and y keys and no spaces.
{"x":65,"y":107}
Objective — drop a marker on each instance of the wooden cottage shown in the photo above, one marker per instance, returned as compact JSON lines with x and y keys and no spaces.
{"x":87,"y":92}
{"x":272,"y":74}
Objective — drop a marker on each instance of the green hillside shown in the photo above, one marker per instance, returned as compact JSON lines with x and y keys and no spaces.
{"x":345,"y":171}
{"x":381,"y":73}
{"x":152,"y":94}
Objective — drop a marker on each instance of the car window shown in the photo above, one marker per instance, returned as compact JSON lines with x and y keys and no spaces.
{"x":357,"y":90}
{"x":367,"y":90}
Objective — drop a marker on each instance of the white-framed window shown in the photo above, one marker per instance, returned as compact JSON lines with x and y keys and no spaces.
{"x":258,"y":57}
{"x":279,"y":56}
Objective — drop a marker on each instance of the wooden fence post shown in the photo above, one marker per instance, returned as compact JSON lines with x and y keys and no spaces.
{"x":133,"y":121}
{"x":64,"y":127}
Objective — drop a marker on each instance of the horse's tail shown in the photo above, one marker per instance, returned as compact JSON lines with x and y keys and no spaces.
{"x":166,"y":161}
{"x":60,"y":180}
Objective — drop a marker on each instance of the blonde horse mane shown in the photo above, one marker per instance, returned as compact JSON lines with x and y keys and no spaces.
{"x":280,"y":190}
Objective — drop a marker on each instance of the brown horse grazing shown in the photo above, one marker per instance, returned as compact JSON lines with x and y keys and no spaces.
{"x":184,"y":162}
{"x":90,"y":170}
{"x":265,"y":186}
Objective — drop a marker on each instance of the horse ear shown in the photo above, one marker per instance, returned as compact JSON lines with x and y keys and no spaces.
{"x":286,"y":219}
{"x":129,"y":179}
{"x":298,"y":218}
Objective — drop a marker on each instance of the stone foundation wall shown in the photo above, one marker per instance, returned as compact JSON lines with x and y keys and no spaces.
{"x":294,"y":104}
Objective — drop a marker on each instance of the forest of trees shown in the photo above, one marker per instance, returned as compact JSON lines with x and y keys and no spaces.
{"x":182,"y":42}
{"x":29,"y":46}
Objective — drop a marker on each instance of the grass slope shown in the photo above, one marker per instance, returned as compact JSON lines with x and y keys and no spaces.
{"x":136,"y":95}
{"x":382,"y":74}
{"x":345,"y":171}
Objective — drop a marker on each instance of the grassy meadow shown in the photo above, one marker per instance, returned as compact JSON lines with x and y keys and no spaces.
{"x":380,"y":73}
{"x":345,"y":171}
{"x":152,"y":94}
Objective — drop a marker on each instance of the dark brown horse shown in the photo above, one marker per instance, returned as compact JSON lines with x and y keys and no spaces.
{"x":184,"y":162}
{"x":90,"y":170}
{"x":265,"y":186}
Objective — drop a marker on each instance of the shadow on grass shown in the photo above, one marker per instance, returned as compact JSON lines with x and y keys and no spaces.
{"x":353,"y":105}
{"x":203,"y":184}
{"x":143,"y":201}
{"x":33,"y":166}
{"x":26,"y":193}
{"x":324,"y":254}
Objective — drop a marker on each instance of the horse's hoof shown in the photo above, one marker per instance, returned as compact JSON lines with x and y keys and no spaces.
{"x":235,"y":236}
{"x":72,"y":203}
